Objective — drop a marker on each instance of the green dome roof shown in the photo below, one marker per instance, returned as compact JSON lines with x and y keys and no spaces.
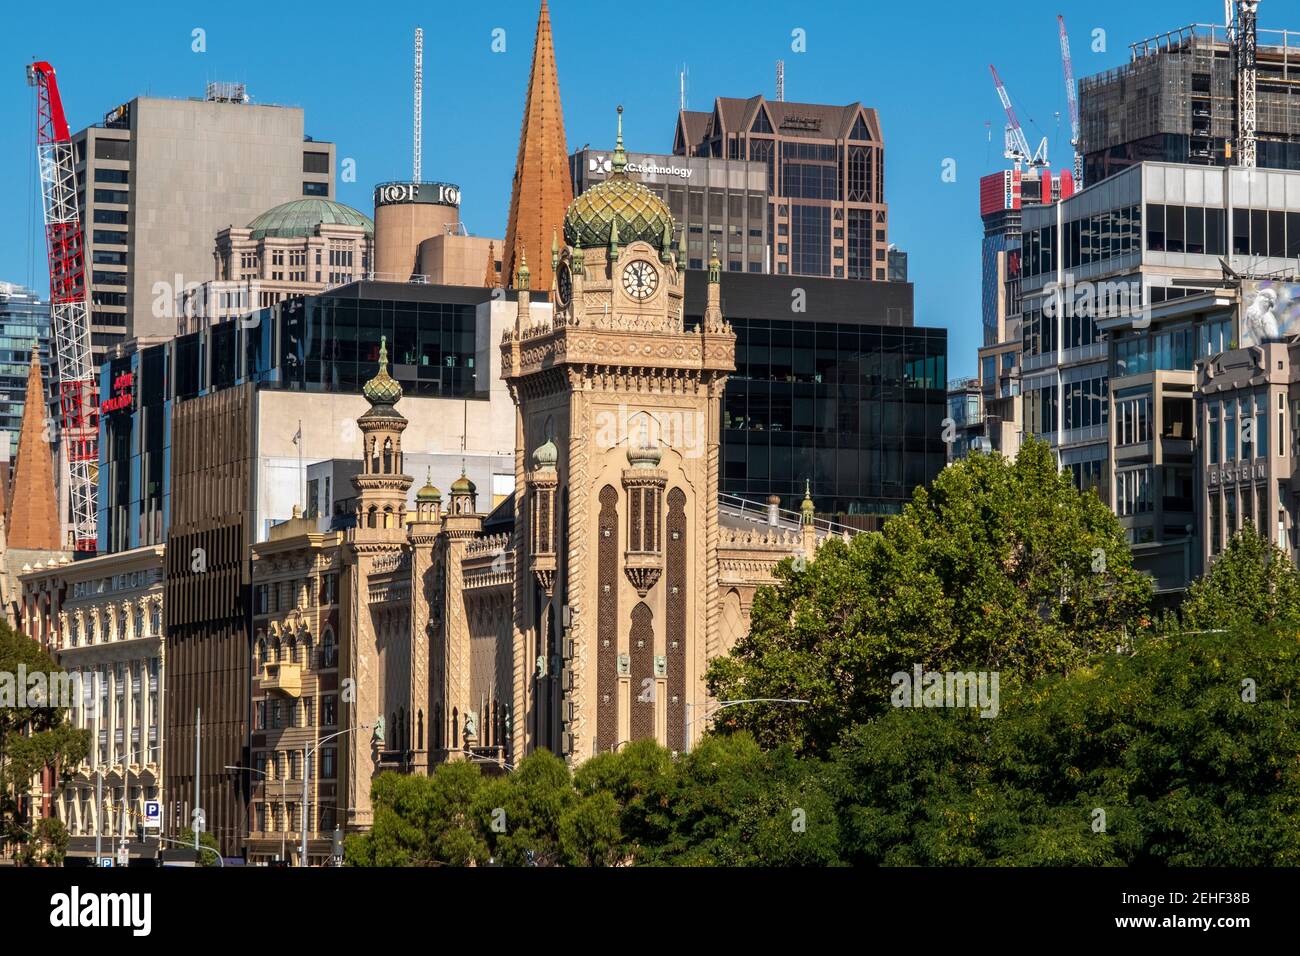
{"x":301,"y":217}
{"x":545,"y":455}
{"x":639,"y":213}
{"x":428,"y":492}
{"x":462,"y":486}
{"x":383,"y":389}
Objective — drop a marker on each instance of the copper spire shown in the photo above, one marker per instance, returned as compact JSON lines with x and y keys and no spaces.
{"x":542,"y":190}
{"x":33,"y":520}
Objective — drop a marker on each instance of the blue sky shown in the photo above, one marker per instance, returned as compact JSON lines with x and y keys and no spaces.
{"x":924,"y":66}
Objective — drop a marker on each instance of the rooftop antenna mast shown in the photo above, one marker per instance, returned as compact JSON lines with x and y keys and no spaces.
{"x":780,"y":81}
{"x":681,"y":88}
{"x":419,"y":105}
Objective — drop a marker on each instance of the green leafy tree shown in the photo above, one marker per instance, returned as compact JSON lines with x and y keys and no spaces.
{"x":422,"y":821}
{"x":728,"y":803}
{"x":1252,"y":583}
{"x":521,"y":813}
{"x":999,"y":565}
{"x":48,"y":845}
{"x":206,"y":840}
{"x":32,"y":736}
{"x":589,"y":832}
{"x":1180,"y":754}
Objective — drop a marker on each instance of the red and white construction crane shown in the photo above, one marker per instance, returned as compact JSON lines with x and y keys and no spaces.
{"x":68,"y":313}
{"x":1017,"y":146}
{"x":1072,"y":98}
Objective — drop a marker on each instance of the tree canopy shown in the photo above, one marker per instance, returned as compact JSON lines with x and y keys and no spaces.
{"x":32,"y":736}
{"x":1000,"y":565}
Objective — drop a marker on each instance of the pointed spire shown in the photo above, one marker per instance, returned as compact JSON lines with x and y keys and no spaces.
{"x":807,"y":510}
{"x":613,"y":238}
{"x":542,"y":189}
{"x":33,"y":519}
{"x":681,"y":250}
{"x":555,"y":252}
{"x":490,"y":276}
{"x":620,"y":157}
{"x":715,"y":265}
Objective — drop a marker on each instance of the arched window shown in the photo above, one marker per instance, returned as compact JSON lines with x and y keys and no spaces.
{"x":371,"y":516}
{"x":275,"y":650}
{"x":261,"y":650}
{"x":155,"y":618}
{"x":419,"y":729}
{"x":306,"y":649}
{"x":328,"y":650}
{"x":388,"y":517}
{"x":139,"y":621}
{"x":293,"y":650}
{"x":388,"y":456}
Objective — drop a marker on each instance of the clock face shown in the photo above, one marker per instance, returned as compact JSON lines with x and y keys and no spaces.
{"x":640,"y":279}
{"x":564,"y":285}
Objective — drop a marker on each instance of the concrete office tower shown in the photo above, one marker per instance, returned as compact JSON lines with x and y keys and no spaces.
{"x":542,"y":190}
{"x":160,"y":178}
{"x":1176,"y":102}
{"x":826,"y":166}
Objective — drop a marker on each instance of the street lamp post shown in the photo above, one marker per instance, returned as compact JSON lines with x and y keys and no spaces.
{"x":306,"y":774}
{"x":284,"y":788}
{"x":724,"y":704}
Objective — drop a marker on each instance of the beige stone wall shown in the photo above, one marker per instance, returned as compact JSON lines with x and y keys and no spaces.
{"x":457,"y":260}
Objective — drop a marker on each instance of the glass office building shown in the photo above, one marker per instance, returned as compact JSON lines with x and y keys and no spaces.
{"x":322,"y":343}
{"x":849,"y":395}
{"x":24,"y":319}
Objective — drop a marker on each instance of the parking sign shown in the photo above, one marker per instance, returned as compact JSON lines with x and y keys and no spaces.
{"x":152,"y":815}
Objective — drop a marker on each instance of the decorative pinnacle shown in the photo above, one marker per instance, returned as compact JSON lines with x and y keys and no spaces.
{"x":555,"y":251}
{"x":620,"y":157}
{"x":383,"y":353}
{"x":521,"y":277}
{"x":715,"y":264}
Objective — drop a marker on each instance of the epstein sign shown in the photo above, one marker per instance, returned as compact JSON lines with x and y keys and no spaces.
{"x":428,"y":194}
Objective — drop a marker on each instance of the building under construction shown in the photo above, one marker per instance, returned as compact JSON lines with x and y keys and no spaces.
{"x":1187,"y":97}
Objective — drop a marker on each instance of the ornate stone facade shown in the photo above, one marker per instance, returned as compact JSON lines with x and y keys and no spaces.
{"x":584,"y":619}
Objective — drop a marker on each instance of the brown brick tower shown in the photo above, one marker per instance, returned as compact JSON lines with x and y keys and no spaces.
{"x":32,"y":523}
{"x":542,"y":189}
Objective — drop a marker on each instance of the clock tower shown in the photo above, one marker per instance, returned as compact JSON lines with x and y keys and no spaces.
{"x":617,"y":458}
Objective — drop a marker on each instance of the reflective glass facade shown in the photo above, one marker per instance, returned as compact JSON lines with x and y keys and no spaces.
{"x":848,"y":395}
{"x":24,"y":318}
